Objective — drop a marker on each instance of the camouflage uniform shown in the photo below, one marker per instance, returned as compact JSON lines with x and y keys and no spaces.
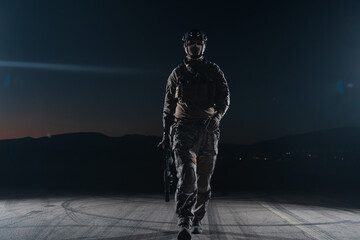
{"x":195,"y":91}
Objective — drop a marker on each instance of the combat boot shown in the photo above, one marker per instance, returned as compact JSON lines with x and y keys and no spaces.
{"x":196,"y":226}
{"x":184,"y":228}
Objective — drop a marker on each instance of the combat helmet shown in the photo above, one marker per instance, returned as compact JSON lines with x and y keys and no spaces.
{"x":194,"y":34}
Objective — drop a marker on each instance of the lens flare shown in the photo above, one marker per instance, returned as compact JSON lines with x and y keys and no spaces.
{"x":70,"y":67}
{"x":340,"y":86}
{"x":350,"y":85}
{"x":6,"y":80}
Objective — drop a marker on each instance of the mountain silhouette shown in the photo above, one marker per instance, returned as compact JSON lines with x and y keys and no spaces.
{"x":133,"y":163}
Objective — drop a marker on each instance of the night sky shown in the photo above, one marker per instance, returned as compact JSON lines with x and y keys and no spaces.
{"x":101,"y":66}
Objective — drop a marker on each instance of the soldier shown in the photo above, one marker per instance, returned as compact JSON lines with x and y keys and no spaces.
{"x":197,"y":97}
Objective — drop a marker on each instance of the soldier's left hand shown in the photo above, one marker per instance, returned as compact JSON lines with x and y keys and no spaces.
{"x":212,"y":123}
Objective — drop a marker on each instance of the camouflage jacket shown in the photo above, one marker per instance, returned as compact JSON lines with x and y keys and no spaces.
{"x":195,"y":90}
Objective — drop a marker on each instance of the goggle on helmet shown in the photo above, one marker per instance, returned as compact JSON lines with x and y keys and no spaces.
{"x":194,"y":34}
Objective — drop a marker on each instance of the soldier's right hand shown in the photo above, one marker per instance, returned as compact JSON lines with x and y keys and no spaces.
{"x":165,"y":141}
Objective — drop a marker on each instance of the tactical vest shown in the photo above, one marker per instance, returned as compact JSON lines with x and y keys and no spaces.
{"x":195,"y":89}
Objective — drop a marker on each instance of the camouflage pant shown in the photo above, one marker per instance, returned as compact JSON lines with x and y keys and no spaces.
{"x":195,"y":151}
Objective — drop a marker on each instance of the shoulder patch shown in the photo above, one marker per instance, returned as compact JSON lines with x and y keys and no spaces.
{"x":213,"y":66}
{"x":180,"y":69}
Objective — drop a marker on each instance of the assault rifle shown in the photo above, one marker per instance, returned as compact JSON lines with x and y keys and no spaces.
{"x":168,"y":177}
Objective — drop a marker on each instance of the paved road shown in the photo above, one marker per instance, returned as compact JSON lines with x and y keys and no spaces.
{"x":241,"y":216}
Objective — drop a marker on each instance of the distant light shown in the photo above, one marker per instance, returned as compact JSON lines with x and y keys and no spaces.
{"x":309,"y":155}
{"x":49,"y":135}
{"x":287,"y":153}
{"x":240,"y":158}
{"x":266,"y":158}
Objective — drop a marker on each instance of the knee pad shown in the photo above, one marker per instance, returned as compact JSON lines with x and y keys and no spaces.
{"x":203,"y":182}
{"x":203,"y":190}
{"x":204,"y":195}
{"x":189,"y":178}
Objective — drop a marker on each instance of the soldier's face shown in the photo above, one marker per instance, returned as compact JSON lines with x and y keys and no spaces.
{"x":195,"y":47}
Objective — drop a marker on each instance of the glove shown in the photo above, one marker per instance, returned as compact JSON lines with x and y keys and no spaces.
{"x":165,"y":141}
{"x":212,"y":123}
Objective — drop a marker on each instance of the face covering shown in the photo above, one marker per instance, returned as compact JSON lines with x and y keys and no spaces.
{"x":194,"y":50}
